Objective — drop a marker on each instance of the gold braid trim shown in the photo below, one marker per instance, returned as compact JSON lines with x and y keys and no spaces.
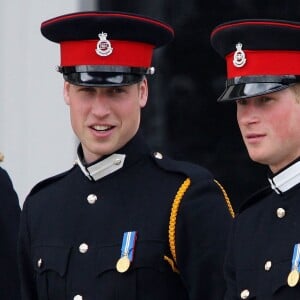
{"x":230,"y":208}
{"x":171,"y":263}
{"x":172,"y":223}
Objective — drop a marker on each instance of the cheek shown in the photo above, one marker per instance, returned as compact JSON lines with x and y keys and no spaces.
{"x":127,"y":109}
{"x":77,"y":114}
{"x":73,"y":118}
{"x":284,"y":124}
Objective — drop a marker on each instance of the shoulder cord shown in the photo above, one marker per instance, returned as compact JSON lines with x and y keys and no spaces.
{"x":174,"y":211}
{"x":172,"y":223}
{"x":227,"y":200}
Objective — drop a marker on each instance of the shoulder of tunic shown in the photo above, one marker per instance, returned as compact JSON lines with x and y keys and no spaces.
{"x":186,"y":168}
{"x":255,"y":198}
{"x":48,"y":181}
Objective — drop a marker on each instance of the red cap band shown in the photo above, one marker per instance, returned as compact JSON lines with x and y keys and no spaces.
{"x":265,"y":62}
{"x":124,"y":53}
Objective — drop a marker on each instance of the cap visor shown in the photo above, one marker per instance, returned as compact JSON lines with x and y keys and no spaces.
{"x":247,"y":90}
{"x":97,"y":79}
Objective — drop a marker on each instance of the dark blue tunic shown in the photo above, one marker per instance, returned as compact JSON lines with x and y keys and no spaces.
{"x":9,"y":225}
{"x":261,"y":243}
{"x":70,"y":246}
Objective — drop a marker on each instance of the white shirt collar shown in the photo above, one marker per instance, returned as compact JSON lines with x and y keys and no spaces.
{"x":286,"y":179}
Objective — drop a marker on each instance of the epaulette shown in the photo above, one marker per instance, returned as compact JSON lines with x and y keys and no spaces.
{"x":254,"y":198}
{"x":46,"y":182}
{"x":193,"y":173}
{"x":188,"y":169}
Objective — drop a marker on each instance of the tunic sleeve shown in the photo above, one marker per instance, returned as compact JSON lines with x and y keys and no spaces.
{"x":26,"y":269}
{"x":9,"y":224}
{"x":201,"y":235}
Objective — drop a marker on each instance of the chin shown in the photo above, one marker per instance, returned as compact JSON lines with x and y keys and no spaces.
{"x":258,"y":158}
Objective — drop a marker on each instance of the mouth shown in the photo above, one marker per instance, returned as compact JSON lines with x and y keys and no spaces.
{"x":102,"y":128}
{"x":254,"y":137}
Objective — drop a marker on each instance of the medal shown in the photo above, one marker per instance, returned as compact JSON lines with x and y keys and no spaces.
{"x":293,"y":277}
{"x":127,"y":251}
{"x":123,"y":264}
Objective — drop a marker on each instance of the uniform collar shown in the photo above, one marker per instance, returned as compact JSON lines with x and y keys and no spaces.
{"x":110,"y":164}
{"x":102,"y":168}
{"x":287,"y":178}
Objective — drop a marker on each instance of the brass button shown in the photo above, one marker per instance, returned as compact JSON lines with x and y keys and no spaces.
{"x":83,"y":248}
{"x":39,"y":263}
{"x":158,"y":155}
{"x":280,"y":212}
{"x":245,"y":294}
{"x":268,"y":265}
{"x":92,"y":198}
{"x":117,"y":161}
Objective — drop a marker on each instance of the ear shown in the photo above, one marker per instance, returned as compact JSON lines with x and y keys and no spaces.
{"x":143,"y":92}
{"x":67,"y":86}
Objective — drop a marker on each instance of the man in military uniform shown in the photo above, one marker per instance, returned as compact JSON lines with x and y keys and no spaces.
{"x":124,"y":222}
{"x":9,"y":224}
{"x":263,"y":69}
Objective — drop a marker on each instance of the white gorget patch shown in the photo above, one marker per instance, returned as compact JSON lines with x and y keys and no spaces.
{"x":286,"y":179}
{"x":102,"y":168}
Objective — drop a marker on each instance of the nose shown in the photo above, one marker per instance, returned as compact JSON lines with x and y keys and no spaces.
{"x":247,"y":114}
{"x":100,"y":107}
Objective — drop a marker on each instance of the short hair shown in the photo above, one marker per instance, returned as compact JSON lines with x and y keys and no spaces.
{"x":296,"y":89}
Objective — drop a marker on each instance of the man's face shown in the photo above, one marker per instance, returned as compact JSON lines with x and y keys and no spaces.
{"x":105,"y":118}
{"x":270,"y":127}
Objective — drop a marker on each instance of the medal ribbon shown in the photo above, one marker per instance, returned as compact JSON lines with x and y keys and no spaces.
{"x":128,"y":244}
{"x":296,"y":258}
